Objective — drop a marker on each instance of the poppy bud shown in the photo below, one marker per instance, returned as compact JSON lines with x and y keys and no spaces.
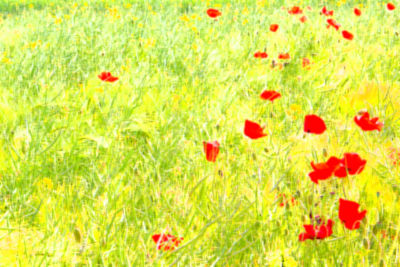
{"x":324,"y":152}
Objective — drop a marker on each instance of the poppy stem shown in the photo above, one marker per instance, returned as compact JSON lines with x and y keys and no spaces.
{"x":215,"y":174}
{"x":343,"y":188}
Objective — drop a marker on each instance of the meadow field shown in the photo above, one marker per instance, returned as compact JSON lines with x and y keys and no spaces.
{"x":114,"y":169}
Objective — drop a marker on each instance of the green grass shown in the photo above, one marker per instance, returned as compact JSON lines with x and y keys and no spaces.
{"x":89,"y":171}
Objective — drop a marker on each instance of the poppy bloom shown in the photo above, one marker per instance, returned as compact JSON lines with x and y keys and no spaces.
{"x":166,"y":242}
{"x":386,"y":234}
{"x":349,"y":214}
{"x":326,"y":12}
{"x":390,"y":6}
{"x":107,"y":77}
{"x":273,"y":27}
{"x":395,"y":156}
{"x":347,"y":35}
{"x":324,"y":171}
{"x":303,"y":19}
{"x":316,"y":232}
{"x":314,"y":124}
{"x":305,"y":62}
{"x":295,"y":10}
{"x":253,"y":130}
{"x":270,"y":95}
{"x":211,"y":149}
{"x":333,"y":23}
{"x":284,"y":56}
{"x":213,"y":13}
{"x":285,"y":200}
{"x":353,"y":163}
{"x":368,"y":124}
{"x":260,"y":55}
{"x":357,"y":12}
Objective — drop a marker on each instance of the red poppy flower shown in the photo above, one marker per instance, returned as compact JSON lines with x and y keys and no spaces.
{"x":270,"y":95}
{"x":357,"y":12}
{"x":368,"y":124}
{"x":166,"y":242}
{"x":326,"y":12}
{"x":285,"y":200}
{"x":351,"y":164}
{"x":260,"y":55}
{"x":390,"y":6}
{"x":213,"y":13}
{"x":349,"y":215}
{"x":314,"y":124}
{"x":324,"y":171}
{"x":284,"y":56}
{"x":347,"y":35}
{"x":333,"y":23}
{"x":253,"y":130}
{"x":395,"y":155}
{"x":305,"y":62}
{"x":295,"y":10}
{"x":274,"y":27}
{"x":303,"y":19}
{"x":354,"y":163}
{"x":316,"y":232}
{"x":341,"y":171}
{"x":211,"y":149}
{"x":107,"y":77}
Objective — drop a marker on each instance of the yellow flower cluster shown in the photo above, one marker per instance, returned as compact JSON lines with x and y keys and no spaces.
{"x":113,"y":13}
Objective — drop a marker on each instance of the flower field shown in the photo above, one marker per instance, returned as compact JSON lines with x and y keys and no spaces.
{"x":199,"y":133}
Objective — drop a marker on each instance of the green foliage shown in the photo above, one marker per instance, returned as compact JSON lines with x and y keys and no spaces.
{"x":89,"y":171}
